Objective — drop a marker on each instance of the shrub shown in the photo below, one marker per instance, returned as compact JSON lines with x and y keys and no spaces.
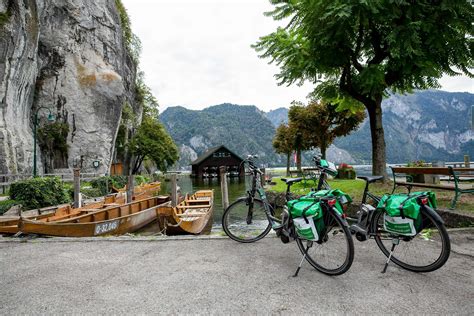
{"x":104,"y":184}
{"x":39,"y":192}
{"x":91,"y":192}
{"x":141,"y":179}
{"x":6,"y":205}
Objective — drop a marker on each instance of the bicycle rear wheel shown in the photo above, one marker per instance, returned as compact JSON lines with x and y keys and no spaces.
{"x":427,"y":251}
{"x":334,"y":253}
{"x":245,"y":223}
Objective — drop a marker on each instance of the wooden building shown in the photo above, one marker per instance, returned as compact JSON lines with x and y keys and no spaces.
{"x":207,"y":165}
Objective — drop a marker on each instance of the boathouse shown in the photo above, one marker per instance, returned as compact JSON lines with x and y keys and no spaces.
{"x":207,"y":165}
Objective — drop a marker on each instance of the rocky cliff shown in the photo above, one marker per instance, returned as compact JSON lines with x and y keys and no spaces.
{"x":68,"y":58}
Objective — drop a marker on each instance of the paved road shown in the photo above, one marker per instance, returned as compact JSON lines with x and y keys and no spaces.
{"x":219,"y":276}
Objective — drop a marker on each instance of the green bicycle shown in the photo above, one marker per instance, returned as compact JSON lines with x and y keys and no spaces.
{"x":251,"y":218}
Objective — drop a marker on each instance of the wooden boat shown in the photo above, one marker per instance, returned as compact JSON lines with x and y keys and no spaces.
{"x":9,"y":225}
{"x":192,"y":216}
{"x":115,"y":220}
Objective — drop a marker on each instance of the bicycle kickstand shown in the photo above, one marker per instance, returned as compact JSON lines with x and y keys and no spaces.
{"x":301,"y":262}
{"x":394,"y":244}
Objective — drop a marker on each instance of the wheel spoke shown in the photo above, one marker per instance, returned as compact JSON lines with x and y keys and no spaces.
{"x":427,"y":251}
{"x":244,"y":226}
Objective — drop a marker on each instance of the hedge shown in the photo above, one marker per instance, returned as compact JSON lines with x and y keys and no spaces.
{"x":39,"y":192}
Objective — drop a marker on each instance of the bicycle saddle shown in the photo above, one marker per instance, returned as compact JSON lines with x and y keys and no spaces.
{"x":291,"y":181}
{"x":370,"y":179}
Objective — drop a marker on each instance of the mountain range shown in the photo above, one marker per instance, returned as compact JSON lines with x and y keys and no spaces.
{"x":427,"y":125}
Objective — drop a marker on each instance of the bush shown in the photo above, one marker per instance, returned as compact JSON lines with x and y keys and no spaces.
{"x":6,"y":205}
{"x":141,"y":179}
{"x":104,"y":184}
{"x":39,"y":192}
{"x":91,"y":192}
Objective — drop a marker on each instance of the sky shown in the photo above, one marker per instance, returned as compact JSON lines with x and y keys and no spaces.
{"x":197,"y":54}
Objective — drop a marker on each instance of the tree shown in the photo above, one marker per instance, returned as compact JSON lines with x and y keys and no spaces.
{"x":283,"y":144}
{"x":363,"y":48}
{"x":323,"y":123}
{"x":153,"y":142}
{"x":299,"y":132}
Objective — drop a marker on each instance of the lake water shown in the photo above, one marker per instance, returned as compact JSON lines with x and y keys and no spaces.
{"x":237,"y":188}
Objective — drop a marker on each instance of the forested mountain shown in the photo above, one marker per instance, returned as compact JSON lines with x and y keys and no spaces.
{"x":243,"y":129}
{"x":427,"y":125}
{"x":278,"y":116}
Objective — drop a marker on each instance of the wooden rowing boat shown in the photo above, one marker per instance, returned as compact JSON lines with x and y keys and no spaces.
{"x":192,"y":216}
{"x":116,"y":220}
{"x":9,"y":225}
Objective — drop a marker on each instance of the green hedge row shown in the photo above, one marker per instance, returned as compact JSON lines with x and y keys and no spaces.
{"x":39,"y":192}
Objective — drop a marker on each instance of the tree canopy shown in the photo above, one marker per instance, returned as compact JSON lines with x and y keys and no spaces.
{"x":283,"y":143}
{"x":321,"y":123}
{"x":153,"y":142}
{"x":359,"y":49}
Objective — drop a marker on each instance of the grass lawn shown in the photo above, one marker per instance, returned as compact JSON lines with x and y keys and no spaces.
{"x":355,"y":188}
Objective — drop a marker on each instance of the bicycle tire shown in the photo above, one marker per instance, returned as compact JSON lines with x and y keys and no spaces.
{"x":316,"y":259}
{"x":420,"y":238}
{"x":235,"y":224}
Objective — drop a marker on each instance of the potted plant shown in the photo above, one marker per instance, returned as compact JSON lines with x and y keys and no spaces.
{"x":345,"y":171}
{"x":420,"y":178}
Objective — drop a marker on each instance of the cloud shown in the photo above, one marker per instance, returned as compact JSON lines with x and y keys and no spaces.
{"x":197,"y":54}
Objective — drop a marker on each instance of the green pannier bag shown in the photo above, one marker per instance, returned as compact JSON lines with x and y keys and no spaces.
{"x":396,"y":204}
{"x":311,"y":226}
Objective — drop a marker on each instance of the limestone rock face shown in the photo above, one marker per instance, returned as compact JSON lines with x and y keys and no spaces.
{"x":67,"y":57}
{"x":18,"y":71}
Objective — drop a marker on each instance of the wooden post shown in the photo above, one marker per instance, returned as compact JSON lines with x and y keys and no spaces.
{"x":467,"y":162}
{"x":174,"y":189}
{"x":262,"y":177}
{"x":224,"y":189}
{"x":77,"y":187}
{"x":130,"y":186}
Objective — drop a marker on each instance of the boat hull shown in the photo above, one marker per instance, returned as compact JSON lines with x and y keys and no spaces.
{"x":112,"y":221}
{"x":10,"y":226}
{"x":178,"y":224}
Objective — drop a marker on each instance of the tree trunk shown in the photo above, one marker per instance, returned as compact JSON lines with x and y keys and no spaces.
{"x":379,"y":163}
{"x":298,"y":161}
{"x":288,"y":163}
{"x":323,"y":148}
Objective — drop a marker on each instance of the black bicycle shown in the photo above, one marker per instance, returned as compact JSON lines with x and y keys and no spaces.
{"x":424,"y":251}
{"x":249,"y":219}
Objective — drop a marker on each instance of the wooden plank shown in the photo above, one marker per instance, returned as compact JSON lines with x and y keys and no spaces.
{"x":191,"y":215}
{"x":192,"y":206}
{"x":421,"y":170}
{"x":426,"y":185}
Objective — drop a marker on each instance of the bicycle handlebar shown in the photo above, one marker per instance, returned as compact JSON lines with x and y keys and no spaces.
{"x":250,"y":160}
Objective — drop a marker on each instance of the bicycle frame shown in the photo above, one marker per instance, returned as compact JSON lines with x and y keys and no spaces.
{"x":257,"y":188}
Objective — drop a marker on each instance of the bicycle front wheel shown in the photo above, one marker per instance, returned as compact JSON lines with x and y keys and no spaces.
{"x":334,"y":252}
{"x":427,"y":251}
{"x":245,"y":222}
